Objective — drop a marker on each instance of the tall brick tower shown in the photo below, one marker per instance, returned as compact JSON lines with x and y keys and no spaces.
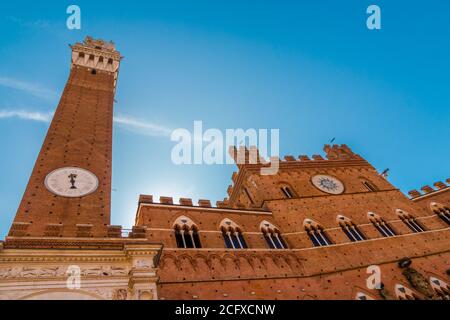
{"x":61,"y":244}
{"x":69,"y":190}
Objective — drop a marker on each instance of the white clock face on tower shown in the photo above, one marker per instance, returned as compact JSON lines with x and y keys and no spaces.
{"x":328,"y":184}
{"x":71,"y":182}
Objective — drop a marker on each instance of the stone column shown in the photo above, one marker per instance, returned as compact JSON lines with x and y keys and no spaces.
{"x":142,"y":278}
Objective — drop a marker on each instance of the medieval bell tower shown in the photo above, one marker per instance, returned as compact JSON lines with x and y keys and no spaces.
{"x":61,"y":244}
{"x":69,"y":191}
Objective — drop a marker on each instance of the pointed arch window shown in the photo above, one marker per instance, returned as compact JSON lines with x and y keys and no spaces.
{"x":186,"y":233}
{"x":410,"y":221}
{"x":441,"y":211}
{"x":404,"y":293}
{"x":369,"y":186}
{"x":272,"y":236}
{"x":441,"y":288}
{"x":382,"y":226}
{"x":232,"y":235}
{"x":363,"y":296}
{"x":350,"y":229}
{"x":287,"y":191}
{"x":316,"y":233}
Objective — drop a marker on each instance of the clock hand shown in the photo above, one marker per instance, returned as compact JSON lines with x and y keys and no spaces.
{"x":72,"y":180}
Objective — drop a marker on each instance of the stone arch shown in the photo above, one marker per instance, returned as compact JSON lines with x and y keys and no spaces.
{"x":266,"y":226}
{"x":184,"y":222}
{"x":229,"y":225}
{"x":404,"y":293}
{"x":440,"y":287}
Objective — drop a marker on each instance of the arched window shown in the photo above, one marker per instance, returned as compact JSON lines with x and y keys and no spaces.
{"x":287,"y":191}
{"x":442,"y":211}
{"x":350,"y":229}
{"x":232,"y":235}
{"x":316,"y":233}
{"x":404,"y":293}
{"x":441,"y":288}
{"x":369,"y":186}
{"x":272,"y":235}
{"x":410,"y":221}
{"x":383,"y":227}
{"x":363,"y":296}
{"x":186,"y":233}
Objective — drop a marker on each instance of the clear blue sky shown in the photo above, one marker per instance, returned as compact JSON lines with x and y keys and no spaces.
{"x":310,"y":68}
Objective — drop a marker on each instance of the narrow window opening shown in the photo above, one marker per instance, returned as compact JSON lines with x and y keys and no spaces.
{"x":369,"y":186}
{"x":287,"y":192}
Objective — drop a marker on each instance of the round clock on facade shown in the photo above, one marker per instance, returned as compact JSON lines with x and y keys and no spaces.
{"x":328,"y":184}
{"x":71,"y":182}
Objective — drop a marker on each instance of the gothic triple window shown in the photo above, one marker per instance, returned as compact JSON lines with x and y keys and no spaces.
{"x":316,"y":233}
{"x":404,"y":293}
{"x":410,"y":221}
{"x":442,"y":212}
{"x":186,"y":233}
{"x":232,"y":235}
{"x":441,"y":288}
{"x":272,"y":236}
{"x":383,"y":227}
{"x":350,"y":229}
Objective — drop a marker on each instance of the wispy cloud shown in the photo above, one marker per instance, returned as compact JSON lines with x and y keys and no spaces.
{"x":34,"y":89}
{"x":27,"y":115}
{"x":34,"y":24}
{"x":126,"y":122}
{"x":142,"y":126}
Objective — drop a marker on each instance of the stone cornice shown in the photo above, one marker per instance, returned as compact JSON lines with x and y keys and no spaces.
{"x":76,"y":243}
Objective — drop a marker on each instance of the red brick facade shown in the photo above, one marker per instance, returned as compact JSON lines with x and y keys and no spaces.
{"x":301,"y":271}
{"x":275,"y":236}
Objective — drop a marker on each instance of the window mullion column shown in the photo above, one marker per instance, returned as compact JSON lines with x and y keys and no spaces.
{"x":352,"y":236}
{"x":279,"y":241}
{"x":356,"y":231}
{"x":191,"y":233}
{"x":271,"y":240}
{"x":231,"y":240}
{"x":182,"y":237}
{"x":236,"y":234}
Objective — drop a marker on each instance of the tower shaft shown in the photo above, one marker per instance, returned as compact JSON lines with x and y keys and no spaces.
{"x":69,"y":191}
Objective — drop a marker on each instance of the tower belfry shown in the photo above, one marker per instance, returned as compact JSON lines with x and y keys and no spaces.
{"x":69,"y":190}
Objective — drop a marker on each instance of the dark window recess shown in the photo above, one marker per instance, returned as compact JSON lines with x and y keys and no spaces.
{"x":369,"y":186}
{"x":287,"y":192}
{"x":226,"y":238}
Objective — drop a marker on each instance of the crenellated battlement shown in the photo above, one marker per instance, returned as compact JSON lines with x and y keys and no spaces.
{"x":251,"y":156}
{"x":244,"y":156}
{"x":427,"y":190}
{"x":250,"y":160}
{"x":185,"y":202}
{"x":96,"y":54}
